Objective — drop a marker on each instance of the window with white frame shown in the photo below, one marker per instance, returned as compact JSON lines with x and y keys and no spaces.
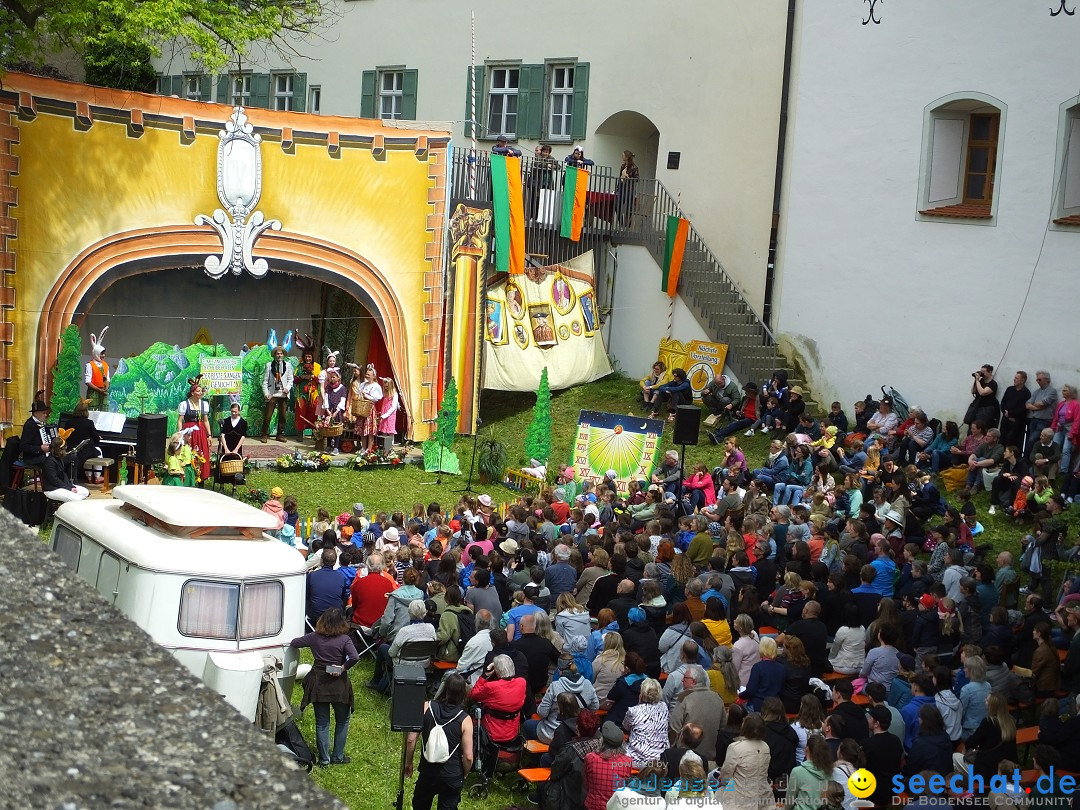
{"x":561,"y":102}
{"x":961,"y":158}
{"x":391,"y":87}
{"x":227,"y":610}
{"x":283,"y":91}
{"x":503,"y":102}
{"x":191,"y":88}
{"x":315,"y":99}
{"x":1067,"y":177}
{"x":240,"y":91}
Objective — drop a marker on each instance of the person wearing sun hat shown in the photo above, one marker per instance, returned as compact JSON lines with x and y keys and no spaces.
{"x":273,"y":507}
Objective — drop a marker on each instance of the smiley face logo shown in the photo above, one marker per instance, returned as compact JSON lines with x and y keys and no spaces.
{"x":861,"y":783}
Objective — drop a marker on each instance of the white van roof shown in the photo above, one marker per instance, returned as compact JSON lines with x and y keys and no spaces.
{"x":190,"y":506}
{"x":155,"y":548}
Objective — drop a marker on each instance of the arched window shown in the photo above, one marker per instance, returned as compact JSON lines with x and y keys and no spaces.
{"x":962,"y":146}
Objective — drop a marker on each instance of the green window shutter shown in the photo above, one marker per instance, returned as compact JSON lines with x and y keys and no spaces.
{"x":177,"y":85}
{"x":530,"y":109}
{"x":204,"y":87}
{"x":474,"y":79}
{"x":260,"y":90}
{"x":408,"y":95}
{"x":579,"y":121}
{"x":367,"y":94}
{"x":299,"y":92}
{"x":223,"y":88}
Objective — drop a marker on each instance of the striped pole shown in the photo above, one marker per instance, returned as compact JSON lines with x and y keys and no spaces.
{"x":472,"y":105}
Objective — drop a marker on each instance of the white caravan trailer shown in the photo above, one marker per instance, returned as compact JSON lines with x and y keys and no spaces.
{"x":194,"y":569}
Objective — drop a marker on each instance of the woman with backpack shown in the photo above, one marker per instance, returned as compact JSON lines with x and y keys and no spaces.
{"x":447,"y":750}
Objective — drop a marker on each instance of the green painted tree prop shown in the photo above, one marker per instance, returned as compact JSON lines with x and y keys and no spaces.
{"x":538,"y":436}
{"x":438,"y":457}
{"x":67,"y":374}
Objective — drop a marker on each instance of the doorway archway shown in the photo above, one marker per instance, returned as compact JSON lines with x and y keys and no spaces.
{"x":631,"y":130}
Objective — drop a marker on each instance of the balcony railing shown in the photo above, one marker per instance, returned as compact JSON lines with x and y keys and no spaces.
{"x":630,"y":211}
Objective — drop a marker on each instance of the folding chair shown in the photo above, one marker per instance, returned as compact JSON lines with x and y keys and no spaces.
{"x":364,"y":639}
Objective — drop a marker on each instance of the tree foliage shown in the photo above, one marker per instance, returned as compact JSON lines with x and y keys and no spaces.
{"x":112,"y":62}
{"x":211,"y":32}
{"x":67,"y":374}
{"x":538,"y":436}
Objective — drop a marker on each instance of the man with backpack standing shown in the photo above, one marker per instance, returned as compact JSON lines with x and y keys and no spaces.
{"x":446,"y":751}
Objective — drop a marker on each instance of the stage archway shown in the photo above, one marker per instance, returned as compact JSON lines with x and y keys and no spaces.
{"x":128,"y":254}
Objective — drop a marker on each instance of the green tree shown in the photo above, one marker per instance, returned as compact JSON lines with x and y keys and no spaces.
{"x":112,"y":62}
{"x":140,"y":400}
{"x":538,"y":436}
{"x":212,"y":32}
{"x":67,"y":374}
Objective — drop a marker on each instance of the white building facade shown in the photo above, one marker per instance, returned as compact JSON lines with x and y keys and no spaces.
{"x":695,"y":86}
{"x":930,"y":219}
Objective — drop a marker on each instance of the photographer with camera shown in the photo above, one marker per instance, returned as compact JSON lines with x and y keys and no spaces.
{"x":984,"y":406}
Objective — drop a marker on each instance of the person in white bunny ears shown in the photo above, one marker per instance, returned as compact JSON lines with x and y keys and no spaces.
{"x":277,"y":384}
{"x":96,"y":374}
{"x":364,"y":397}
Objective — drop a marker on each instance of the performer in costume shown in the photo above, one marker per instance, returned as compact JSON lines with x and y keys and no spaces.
{"x":178,"y":469}
{"x":333,"y":407}
{"x":194,"y":412}
{"x":233,"y":432}
{"x":306,"y":386}
{"x":363,"y":406}
{"x":331,"y":365}
{"x":54,"y":477}
{"x":37,"y":436}
{"x":96,"y":374}
{"x":277,"y":386}
{"x":84,"y":428}
{"x":388,"y":408}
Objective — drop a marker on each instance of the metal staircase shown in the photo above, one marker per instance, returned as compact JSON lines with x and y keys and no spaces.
{"x":705,"y":286}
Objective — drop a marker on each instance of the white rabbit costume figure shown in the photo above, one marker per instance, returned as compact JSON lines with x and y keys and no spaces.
{"x":96,"y":374}
{"x":277,"y":383}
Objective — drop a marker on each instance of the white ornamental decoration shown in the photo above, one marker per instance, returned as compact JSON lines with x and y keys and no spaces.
{"x":239,"y":186}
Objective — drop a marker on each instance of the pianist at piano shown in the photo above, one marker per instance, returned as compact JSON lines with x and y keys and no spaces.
{"x":37,"y":435}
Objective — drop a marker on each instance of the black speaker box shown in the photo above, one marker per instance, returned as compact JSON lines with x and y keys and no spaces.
{"x":687,"y":423}
{"x":151,"y":438}
{"x":407,"y":695}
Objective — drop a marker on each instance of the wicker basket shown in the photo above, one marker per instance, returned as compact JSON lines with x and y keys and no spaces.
{"x":230,"y":464}
{"x":331,"y":431}
{"x":361,"y":408}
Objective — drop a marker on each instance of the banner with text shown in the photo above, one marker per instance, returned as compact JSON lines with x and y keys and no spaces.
{"x":222,"y":375}
{"x":701,"y":361}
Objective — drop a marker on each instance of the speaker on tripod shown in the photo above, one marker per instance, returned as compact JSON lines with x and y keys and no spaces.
{"x":687,"y":424}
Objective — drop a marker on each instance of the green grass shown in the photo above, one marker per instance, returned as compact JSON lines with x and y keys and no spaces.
{"x":371,"y":779}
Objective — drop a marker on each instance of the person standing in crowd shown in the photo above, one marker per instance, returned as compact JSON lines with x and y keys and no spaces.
{"x":327,"y":686}
{"x":502,"y":147}
{"x":1040,"y":408}
{"x":577,"y":159}
{"x":984,"y":407}
{"x":444,"y":777}
{"x":626,"y":189}
{"x":1014,"y":414}
{"x":232,"y":432}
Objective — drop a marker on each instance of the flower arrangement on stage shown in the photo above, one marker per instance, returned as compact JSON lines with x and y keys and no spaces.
{"x":377,"y":457}
{"x":299,"y":461}
{"x":197,"y":461}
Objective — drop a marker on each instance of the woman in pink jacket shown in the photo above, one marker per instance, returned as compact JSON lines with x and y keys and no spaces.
{"x":699,"y":488}
{"x":1066,"y":426}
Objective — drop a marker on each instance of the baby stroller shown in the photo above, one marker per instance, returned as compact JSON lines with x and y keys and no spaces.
{"x":490,"y":753}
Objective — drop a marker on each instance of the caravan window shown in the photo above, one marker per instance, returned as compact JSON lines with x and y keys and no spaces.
{"x":261,"y":613}
{"x":216,"y":610}
{"x":209,"y":609}
{"x":68,"y":545}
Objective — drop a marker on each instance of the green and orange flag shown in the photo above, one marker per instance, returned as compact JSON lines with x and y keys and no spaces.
{"x":509,"y":213}
{"x":677,"y":231}
{"x":575,"y":185}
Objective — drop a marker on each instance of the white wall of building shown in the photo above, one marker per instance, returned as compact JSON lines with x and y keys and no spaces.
{"x":638,"y":317}
{"x":707,"y":75}
{"x":869,"y":294}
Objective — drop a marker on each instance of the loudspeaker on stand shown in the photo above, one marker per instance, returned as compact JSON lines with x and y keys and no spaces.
{"x":687,"y":424}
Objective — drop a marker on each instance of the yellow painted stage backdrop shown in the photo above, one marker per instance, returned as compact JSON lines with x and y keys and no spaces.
{"x":109,"y":184}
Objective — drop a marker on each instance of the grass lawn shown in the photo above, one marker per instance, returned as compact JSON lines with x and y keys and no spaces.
{"x":371,"y":779}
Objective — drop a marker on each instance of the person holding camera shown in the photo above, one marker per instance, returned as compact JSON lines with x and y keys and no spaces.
{"x":327,"y":685}
{"x":984,"y":406}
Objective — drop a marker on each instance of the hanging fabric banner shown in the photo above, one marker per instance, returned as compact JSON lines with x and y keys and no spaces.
{"x":509,"y":208}
{"x":677,"y":231}
{"x":573,"y":207}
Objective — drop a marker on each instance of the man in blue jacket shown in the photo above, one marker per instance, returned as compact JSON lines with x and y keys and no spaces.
{"x":674,"y":393}
{"x":325,"y":587}
{"x":922,"y":693}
